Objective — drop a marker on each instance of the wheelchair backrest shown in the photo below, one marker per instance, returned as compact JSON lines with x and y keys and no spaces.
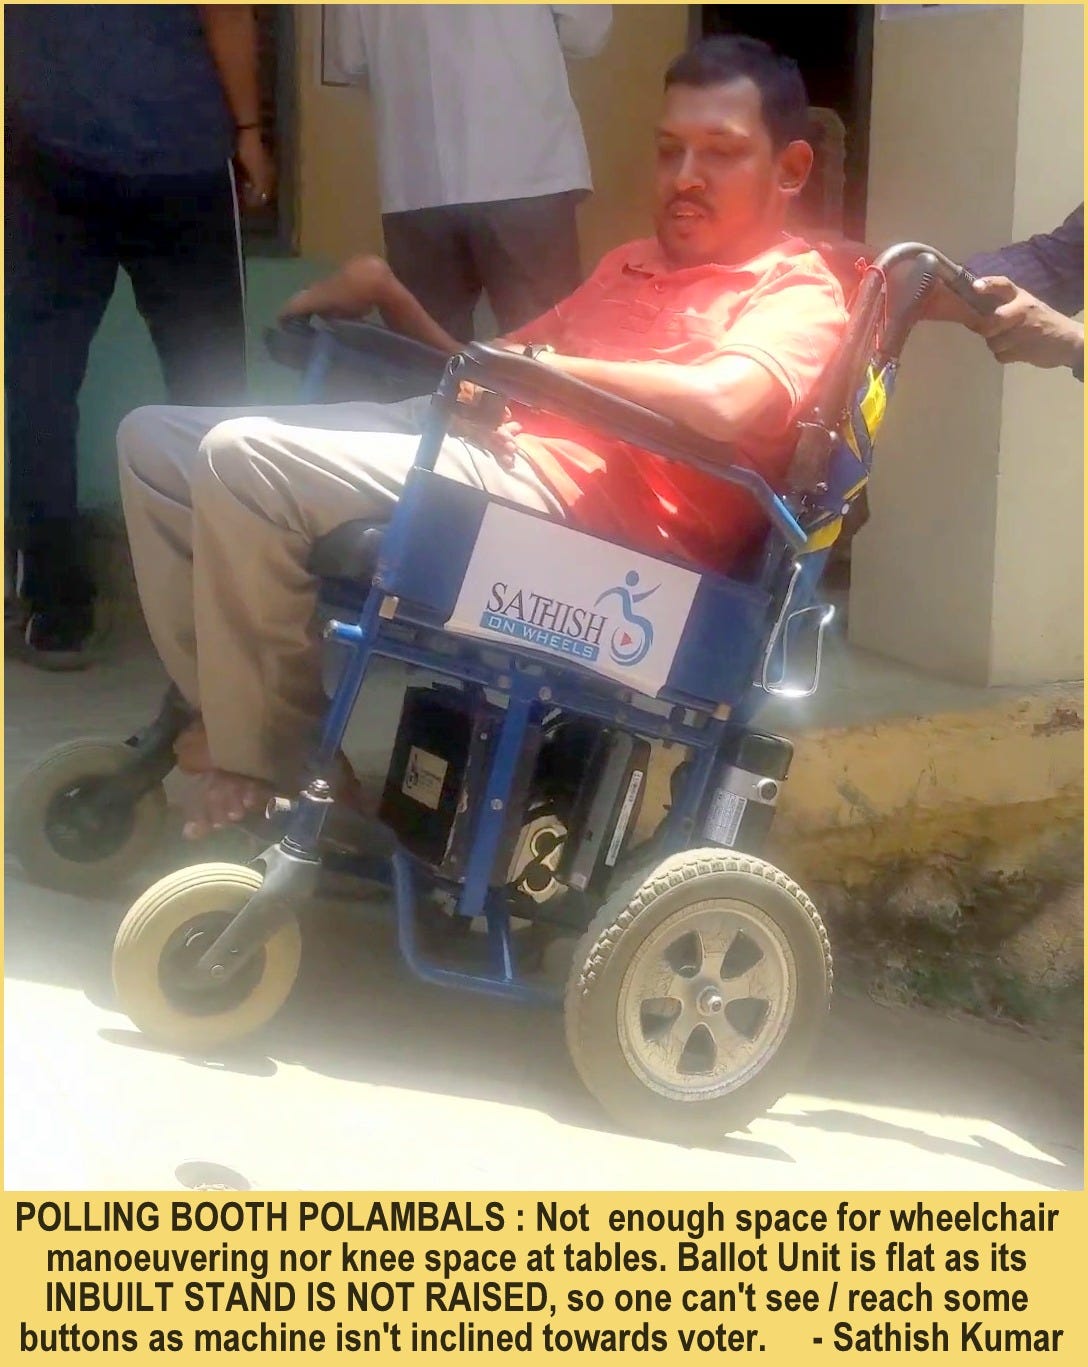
{"x":838,"y":428}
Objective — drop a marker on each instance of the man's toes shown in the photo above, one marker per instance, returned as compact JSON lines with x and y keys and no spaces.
{"x":257,"y":797}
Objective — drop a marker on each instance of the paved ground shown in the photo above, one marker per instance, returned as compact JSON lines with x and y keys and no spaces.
{"x":369,"y":1080}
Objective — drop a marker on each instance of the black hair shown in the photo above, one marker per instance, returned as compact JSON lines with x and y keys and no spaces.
{"x":718,"y":60}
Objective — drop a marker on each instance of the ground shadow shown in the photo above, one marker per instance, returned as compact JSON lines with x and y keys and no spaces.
{"x":358,"y":1015}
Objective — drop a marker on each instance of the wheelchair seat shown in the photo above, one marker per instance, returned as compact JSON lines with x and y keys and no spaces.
{"x":348,"y":553}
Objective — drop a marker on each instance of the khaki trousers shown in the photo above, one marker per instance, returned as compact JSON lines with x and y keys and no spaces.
{"x":222,"y":507}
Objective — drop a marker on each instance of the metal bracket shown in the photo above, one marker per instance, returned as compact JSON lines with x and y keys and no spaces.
{"x":289,"y":881}
{"x":781,"y":687}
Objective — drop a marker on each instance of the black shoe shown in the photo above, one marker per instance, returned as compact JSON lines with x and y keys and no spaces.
{"x":58,"y":640}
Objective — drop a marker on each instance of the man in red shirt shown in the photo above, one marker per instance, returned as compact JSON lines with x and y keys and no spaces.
{"x":721,"y":322}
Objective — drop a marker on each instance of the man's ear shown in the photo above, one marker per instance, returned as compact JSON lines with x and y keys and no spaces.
{"x":794,"y":167}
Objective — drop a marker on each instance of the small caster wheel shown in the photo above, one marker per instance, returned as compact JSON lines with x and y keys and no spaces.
{"x":160,"y":942}
{"x":63,"y":831}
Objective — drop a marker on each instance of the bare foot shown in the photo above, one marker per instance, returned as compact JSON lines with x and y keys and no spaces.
{"x":191,"y":749}
{"x":223,"y":799}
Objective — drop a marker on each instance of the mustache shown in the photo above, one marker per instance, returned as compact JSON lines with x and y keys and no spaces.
{"x":693,"y":200}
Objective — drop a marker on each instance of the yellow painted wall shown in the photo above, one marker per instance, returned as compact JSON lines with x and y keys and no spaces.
{"x":616,"y":93}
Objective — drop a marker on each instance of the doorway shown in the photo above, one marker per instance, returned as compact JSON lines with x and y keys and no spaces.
{"x":833,"y":46}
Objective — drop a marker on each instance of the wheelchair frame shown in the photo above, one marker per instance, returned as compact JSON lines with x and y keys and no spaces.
{"x":226,"y":938}
{"x":797,"y":523}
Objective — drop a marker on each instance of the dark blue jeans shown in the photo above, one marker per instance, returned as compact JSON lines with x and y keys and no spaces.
{"x":67,"y":231}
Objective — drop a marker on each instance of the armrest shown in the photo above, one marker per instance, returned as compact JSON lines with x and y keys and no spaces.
{"x":291,"y":341}
{"x":525,"y":381}
{"x":371,"y":340}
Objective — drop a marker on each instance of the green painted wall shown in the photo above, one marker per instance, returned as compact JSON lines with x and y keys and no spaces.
{"x":123,"y":372}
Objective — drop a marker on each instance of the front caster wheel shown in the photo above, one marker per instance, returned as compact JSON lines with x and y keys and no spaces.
{"x":163,"y":937}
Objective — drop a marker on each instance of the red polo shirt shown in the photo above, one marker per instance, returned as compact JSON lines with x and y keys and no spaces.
{"x":783,"y":308}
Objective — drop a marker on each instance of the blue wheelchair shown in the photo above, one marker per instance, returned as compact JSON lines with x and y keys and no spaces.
{"x":555,"y":663}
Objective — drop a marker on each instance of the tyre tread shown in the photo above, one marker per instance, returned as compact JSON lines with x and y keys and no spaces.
{"x":638,"y":892}
{"x":629,"y":901}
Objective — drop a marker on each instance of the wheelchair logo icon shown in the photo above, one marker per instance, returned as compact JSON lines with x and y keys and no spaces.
{"x":633,"y":638}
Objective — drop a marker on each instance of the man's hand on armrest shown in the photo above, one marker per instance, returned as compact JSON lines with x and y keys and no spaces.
{"x":719,"y":399}
{"x":365,"y":283}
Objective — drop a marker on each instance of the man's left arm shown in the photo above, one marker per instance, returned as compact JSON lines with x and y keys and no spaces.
{"x":720,"y":398}
{"x":755,"y":381}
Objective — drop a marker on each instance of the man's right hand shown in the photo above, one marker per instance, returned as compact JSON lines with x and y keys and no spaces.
{"x":1023,"y":328}
{"x":483,"y":419}
{"x":365,"y":283}
{"x":361,"y":284}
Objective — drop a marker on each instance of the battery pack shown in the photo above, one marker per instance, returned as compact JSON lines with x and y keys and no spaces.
{"x":440,"y":759}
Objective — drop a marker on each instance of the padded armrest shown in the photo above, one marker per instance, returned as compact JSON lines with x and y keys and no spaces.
{"x":540,"y":386}
{"x":388,"y":346}
{"x":291,"y":342}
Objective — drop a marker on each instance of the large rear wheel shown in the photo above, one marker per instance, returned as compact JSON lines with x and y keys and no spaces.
{"x":697,"y":994}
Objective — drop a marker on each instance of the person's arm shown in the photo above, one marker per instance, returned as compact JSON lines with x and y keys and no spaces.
{"x":345,"y":59}
{"x":1023,"y":328}
{"x":1049,"y":266}
{"x":231,"y":34}
{"x":761,"y":373}
{"x":720,"y":399}
{"x":582,"y":29}
{"x":365,"y":283}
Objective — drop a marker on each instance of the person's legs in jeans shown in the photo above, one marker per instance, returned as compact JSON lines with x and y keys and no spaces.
{"x":526,"y":251}
{"x":180,"y":244}
{"x":60,"y":271}
{"x":429,"y":252}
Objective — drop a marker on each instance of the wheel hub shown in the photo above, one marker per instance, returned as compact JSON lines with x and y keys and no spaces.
{"x":706,"y":1000}
{"x":710,"y":1002}
{"x":83,"y":826}
{"x":209,"y":993}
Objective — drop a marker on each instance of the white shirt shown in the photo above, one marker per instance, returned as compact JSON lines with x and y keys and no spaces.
{"x":471,"y":102}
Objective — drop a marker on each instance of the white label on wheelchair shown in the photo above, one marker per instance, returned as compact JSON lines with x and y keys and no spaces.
{"x":424,"y":777}
{"x":546,"y":587}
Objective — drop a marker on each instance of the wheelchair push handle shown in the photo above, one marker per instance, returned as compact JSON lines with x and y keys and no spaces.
{"x":957,"y":278}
